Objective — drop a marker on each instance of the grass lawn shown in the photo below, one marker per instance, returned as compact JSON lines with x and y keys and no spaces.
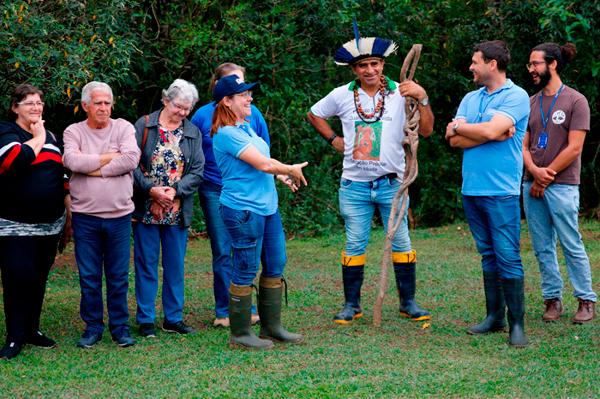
{"x":400,"y":359}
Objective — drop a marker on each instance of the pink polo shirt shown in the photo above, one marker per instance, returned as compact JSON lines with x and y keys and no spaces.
{"x":108,"y":196}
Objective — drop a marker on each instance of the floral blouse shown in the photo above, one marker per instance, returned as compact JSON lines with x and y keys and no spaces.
{"x":166,"y":169}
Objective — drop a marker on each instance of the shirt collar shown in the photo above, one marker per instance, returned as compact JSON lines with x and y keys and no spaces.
{"x":391,"y":85}
{"x":507,"y":85}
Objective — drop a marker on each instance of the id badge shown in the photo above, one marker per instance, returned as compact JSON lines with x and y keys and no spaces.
{"x":543,"y":140}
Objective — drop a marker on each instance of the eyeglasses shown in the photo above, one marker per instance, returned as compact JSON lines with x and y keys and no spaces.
{"x":534,"y":64}
{"x":180,"y":108}
{"x":245,"y":94}
{"x":31,"y":104}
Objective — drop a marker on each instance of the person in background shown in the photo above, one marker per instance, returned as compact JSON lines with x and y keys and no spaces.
{"x":249,"y":207}
{"x":32,"y":216}
{"x":102,"y":154}
{"x":169,"y":174}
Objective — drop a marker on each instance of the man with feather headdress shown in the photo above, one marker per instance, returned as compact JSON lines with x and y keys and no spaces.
{"x":372,"y":112}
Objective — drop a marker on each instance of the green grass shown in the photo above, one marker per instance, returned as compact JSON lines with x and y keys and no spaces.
{"x":400,"y":359}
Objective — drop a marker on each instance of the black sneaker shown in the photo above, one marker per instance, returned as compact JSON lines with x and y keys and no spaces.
{"x":10,"y":350}
{"x":179,"y":328}
{"x":123,"y":338}
{"x":89,"y":339}
{"x":147,"y":330}
{"x":39,"y":339}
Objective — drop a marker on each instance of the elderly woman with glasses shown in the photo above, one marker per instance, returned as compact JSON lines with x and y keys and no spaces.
{"x":250,"y":211}
{"x":33,"y":213}
{"x":169,"y":174}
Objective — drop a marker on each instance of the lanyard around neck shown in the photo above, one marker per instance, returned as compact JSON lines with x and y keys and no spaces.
{"x":545,"y":120}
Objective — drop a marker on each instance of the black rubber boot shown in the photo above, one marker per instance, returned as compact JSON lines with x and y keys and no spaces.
{"x":406,"y":284}
{"x":494,"y":304}
{"x":515,"y":302}
{"x":270,"y":291}
{"x":240,"y":308}
{"x":353,"y":273}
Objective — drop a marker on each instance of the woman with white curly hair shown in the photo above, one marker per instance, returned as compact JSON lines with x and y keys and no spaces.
{"x":169,"y":173}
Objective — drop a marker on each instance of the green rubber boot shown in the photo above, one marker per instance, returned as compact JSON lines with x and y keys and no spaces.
{"x":270,"y":291}
{"x":240,"y":309}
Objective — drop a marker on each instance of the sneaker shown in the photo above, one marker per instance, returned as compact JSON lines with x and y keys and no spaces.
{"x":179,"y":328}
{"x":10,"y":350}
{"x":39,"y":339}
{"x":222,"y":322}
{"x":123,"y":338}
{"x":254,"y":319}
{"x":147,"y":330}
{"x":89,"y":339}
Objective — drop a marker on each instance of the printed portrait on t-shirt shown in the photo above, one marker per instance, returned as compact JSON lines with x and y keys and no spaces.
{"x":367,"y":141}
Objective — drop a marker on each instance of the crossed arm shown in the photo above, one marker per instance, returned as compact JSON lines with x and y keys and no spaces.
{"x":469,"y":135}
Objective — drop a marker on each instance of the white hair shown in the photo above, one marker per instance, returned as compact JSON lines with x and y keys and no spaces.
{"x":86,"y":93}
{"x":183,"y":90}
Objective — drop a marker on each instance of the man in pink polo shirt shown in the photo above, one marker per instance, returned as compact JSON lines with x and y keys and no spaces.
{"x":102,"y":153}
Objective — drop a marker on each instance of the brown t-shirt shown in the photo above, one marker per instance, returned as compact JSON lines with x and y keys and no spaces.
{"x":570,"y":112}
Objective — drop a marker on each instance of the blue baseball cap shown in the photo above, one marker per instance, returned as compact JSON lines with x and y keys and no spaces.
{"x":229,"y":85}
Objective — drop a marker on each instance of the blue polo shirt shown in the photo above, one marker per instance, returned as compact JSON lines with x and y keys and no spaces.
{"x":245,"y":188}
{"x":495,"y":167}
{"x":203,"y":121}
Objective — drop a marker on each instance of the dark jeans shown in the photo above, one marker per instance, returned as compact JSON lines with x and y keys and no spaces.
{"x":255,"y":239}
{"x":25,"y":263}
{"x":103,"y":241}
{"x":495,"y":222}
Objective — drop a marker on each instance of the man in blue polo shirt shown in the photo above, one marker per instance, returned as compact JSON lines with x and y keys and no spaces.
{"x":490,"y":125}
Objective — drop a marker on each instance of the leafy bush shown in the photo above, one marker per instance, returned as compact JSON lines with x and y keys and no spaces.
{"x":140,"y":47}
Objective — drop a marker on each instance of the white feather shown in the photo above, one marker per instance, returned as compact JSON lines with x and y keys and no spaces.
{"x":393,"y":47}
{"x":351,"y":47}
{"x":366,"y":45}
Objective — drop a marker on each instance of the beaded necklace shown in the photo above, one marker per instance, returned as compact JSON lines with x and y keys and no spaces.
{"x":380,"y":103}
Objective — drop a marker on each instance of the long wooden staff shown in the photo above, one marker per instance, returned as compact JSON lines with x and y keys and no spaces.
{"x":410,"y":144}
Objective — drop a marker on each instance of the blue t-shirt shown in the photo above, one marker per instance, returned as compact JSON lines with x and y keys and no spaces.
{"x":245,"y":188}
{"x":495,"y":167}
{"x":203,"y":121}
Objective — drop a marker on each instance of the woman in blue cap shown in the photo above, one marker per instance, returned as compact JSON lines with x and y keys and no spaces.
{"x":209,"y":193}
{"x":250,"y":211}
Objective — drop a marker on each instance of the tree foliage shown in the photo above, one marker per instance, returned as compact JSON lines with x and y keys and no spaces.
{"x":140,"y":47}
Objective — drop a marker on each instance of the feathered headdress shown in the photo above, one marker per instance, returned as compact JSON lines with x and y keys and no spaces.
{"x":363,"y":47}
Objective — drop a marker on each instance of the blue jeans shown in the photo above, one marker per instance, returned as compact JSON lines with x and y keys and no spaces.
{"x":147,"y":241}
{"x":556,"y":214}
{"x":255,"y":239}
{"x":220,"y":245}
{"x":357,"y":205}
{"x":495,"y":222}
{"x":98,"y":241}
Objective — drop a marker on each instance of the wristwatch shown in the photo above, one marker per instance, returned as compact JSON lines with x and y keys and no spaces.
{"x":455,"y":127}
{"x":424,"y":102}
